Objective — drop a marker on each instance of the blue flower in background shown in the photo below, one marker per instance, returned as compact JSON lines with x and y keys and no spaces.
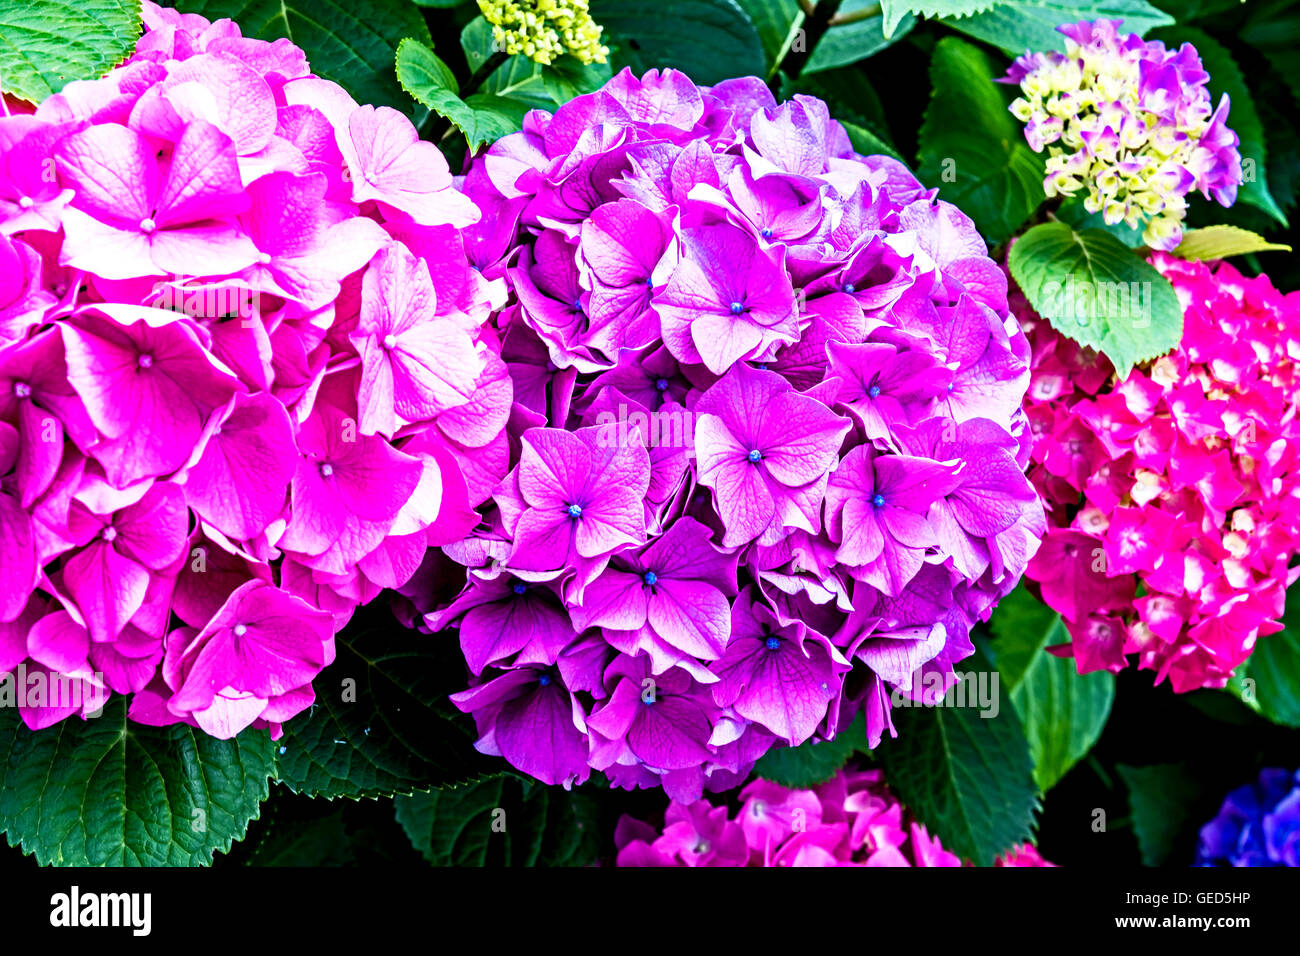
{"x":1258,"y":824}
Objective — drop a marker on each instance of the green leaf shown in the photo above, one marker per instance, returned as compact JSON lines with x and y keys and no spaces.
{"x":518,"y":78}
{"x":476,"y":41}
{"x":708,"y":40}
{"x":847,"y":43}
{"x":323,"y":841}
{"x":1159,"y":798}
{"x":1226,"y":77}
{"x":849,"y":94}
{"x":568,"y":77}
{"x":504,"y":821}
{"x":1283,"y":155}
{"x":1274,"y":30}
{"x":1220,"y":241}
{"x":1273,"y":670}
{"x":108,"y":792}
{"x":1063,"y":711}
{"x":1097,"y":291}
{"x":483,"y":117}
{"x":419,"y":68}
{"x":812,"y":763}
{"x":778,"y":23}
{"x":1245,"y":693}
{"x":45,"y":44}
{"x":1072,"y":212}
{"x":972,"y":148}
{"x":1188,"y":10}
{"x":351,"y":42}
{"x":965,"y":771}
{"x":896,"y":10}
{"x":381,"y":724}
{"x":868,"y":143}
{"x":1016,"y":26}
{"x":521,"y":81}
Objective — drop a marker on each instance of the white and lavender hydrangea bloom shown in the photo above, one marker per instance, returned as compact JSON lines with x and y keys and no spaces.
{"x":764,"y":467}
{"x":1132,"y":123}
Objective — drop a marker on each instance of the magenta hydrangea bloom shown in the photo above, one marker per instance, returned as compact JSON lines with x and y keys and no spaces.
{"x":245,"y":377}
{"x":766,"y":431}
{"x":850,"y":820}
{"x":1181,"y":483}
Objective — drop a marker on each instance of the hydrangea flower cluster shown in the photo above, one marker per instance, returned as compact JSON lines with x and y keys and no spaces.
{"x":241,"y":352}
{"x":767,"y":425}
{"x":1173,"y":496}
{"x":1258,"y":824}
{"x":850,"y":820}
{"x":544,"y":29}
{"x":1129,"y":121}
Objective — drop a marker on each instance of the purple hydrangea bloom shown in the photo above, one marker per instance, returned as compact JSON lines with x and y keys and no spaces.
{"x":766,"y":451}
{"x":1258,"y":824}
{"x":764,"y":462}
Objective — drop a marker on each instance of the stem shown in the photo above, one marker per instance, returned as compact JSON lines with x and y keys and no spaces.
{"x":866,"y":13}
{"x":488,"y":67}
{"x":817,"y":22}
{"x":1100,"y":771}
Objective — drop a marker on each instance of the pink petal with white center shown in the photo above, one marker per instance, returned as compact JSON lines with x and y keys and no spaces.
{"x":17,"y":558}
{"x":241,"y":482}
{"x":113,"y":172}
{"x":60,"y":643}
{"x":202,"y":181}
{"x":107,"y":588}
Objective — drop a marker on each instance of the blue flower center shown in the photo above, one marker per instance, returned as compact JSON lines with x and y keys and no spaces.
{"x":850,"y":288}
{"x":651,"y":578}
{"x":950,"y":386}
{"x":878,"y":500}
{"x":649,"y":282}
{"x":755,"y":456}
{"x":544,"y":680}
{"x":874,"y":391}
{"x":575,"y":511}
{"x":661,"y":384}
{"x":519,"y":587}
{"x":767,"y":233}
{"x":773,"y":643}
{"x":737,"y":308}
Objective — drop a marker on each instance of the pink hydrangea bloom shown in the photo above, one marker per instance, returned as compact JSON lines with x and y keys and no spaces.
{"x":850,"y":820}
{"x":245,"y":377}
{"x":1180,"y":484}
{"x":766,"y":457}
